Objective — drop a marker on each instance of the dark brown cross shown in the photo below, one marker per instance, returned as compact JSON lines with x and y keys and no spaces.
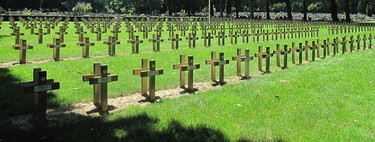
{"x":100,"y":79}
{"x":221,"y":38}
{"x":243,"y":58}
{"x":156,"y":42}
{"x":175,"y":40}
{"x":335,"y":45}
{"x":293,"y":51}
{"x":192,"y":40}
{"x":56,"y":48}
{"x":262,"y":55}
{"x":245,"y":36}
{"x":313,"y":49}
{"x":22,"y":47}
{"x":186,"y":66}
{"x":112,"y":42}
{"x":61,"y":33}
{"x":207,"y":39}
{"x":39,"y":87}
{"x":17,"y":34}
{"x":364,"y":39}
{"x":40,"y":34}
{"x":135,"y":44}
{"x":370,"y":38}
{"x":116,"y":31}
{"x":151,"y":73}
{"x":358,"y":40}
{"x":221,"y":62}
{"x":306,"y":48}
{"x":99,"y":33}
{"x":85,"y":47}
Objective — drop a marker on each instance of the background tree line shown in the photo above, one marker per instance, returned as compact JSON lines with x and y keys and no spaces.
{"x":191,"y":7}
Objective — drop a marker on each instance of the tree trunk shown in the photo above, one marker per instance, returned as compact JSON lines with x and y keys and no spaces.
{"x":334,"y":10}
{"x":347,"y":10}
{"x":41,"y":4}
{"x":289,"y":9}
{"x":304,"y":10}
{"x":362,"y":5}
{"x":251,"y":6}
{"x":229,"y":7}
{"x":221,"y":7}
{"x":268,"y":9}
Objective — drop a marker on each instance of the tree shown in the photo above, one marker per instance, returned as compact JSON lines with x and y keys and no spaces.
{"x":268,"y":3}
{"x":347,"y":10}
{"x":334,"y":10}
{"x":251,"y":6}
{"x":304,"y":10}
{"x":289,"y":9}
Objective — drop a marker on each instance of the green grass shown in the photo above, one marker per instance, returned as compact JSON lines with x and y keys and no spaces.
{"x":326,"y":100}
{"x":69,"y":73}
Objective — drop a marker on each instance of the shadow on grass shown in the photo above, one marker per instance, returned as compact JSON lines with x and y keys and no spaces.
{"x":12,"y":99}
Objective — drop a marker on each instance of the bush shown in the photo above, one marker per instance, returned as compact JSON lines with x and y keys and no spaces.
{"x":82,"y":7}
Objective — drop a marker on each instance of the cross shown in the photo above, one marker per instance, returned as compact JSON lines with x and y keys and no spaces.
{"x":80,"y":33}
{"x":324,"y":46}
{"x":40,"y":35}
{"x":221,"y":62}
{"x":189,"y":66}
{"x":243,"y":58}
{"x":156,"y":42}
{"x":285,"y":52}
{"x":293,"y":51}
{"x":112,"y":42}
{"x":85,"y":47}
{"x":335,"y":45}
{"x":192,"y":40}
{"x":343,"y":43}
{"x":56,"y":48}
{"x":233,"y":38}
{"x":100,"y":79}
{"x":207,"y":39}
{"x":262,"y":55}
{"x":116,"y":31}
{"x":313,"y":48}
{"x":151,"y":73}
{"x":364,"y":42}
{"x":22,"y":47}
{"x":221,"y":38}
{"x":143,"y":79}
{"x":39,"y":87}
{"x":61,"y":33}
{"x":245,"y":36}
{"x":131,"y":31}
{"x":370,"y":38}
{"x":358,"y":40}
{"x":278,"y":53}
{"x":135,"y":44}
{"x":306,"y":48}
{"x":175,"y":41}
{"x":99,"y":34}
{"x":17,"y":34}
{"x":213,"y":68}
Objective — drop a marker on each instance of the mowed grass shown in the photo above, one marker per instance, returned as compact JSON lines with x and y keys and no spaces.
{"x":326,"y":100}
{"x":69,"y":73}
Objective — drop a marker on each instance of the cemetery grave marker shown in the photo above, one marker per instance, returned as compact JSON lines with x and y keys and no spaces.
{"x":189,"y":66}
{"x":61,"y":34}
{"x":192,"y":40}
{"x":40,"y":34}
{"x":207,"y":39}
{"x":151,"y":73}
{"x":17,"y":34}
{"x":221,"y":62}
{"x":221,"y":38}
{"x":100,"y":79}
{"x":175,"y":40}
{"x":112,"y":42}
{"x":243,"y":58}
{"x":56,"y":48}
{"x":85,"y":47}
{"x":22,"y":47}
{"x":39,"y":87}
{"x":285,"y":52}
{"x":135,"y":44}
{"x":156,"y":40}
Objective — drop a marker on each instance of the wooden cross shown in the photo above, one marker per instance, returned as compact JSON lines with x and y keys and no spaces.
{"x":221,"y":62}
{"x":112,"y":42}
{"x":213,"y":68}
{"x":61,"y":34}
{"x":40,"y":34}
{"x":22,"y":47}
{"x":143,"y":79}
{"x":278,"y":53}
{"x":85,"y":47}
{"x":343,"y":43}
{"x":56,"y":48}
{"x":39,"y":87}
{"x":324,"y":46}
{"x":262,"y":55}
{"x":221,"y":38}
{"x":285,"y":52}
{"x":233,"y":39}
{"x":189,"y":66}
{"x":17,"y":34}
{"x":245,"y":36}
{"x":99,"y":34}
{"x":358,"y":40}
{"x":80,"y":33}
{"x":313,"y":48}
{"x":156,"y":40}
{"x":116,"y":31}
{"x":151,"y":73}
{"x":335,"y":45}
{"x":364,"y":42}
{"x":370,"y":38}
{"x":243,"y":58}
{"x":175,"y":40}
{"x":192,"y":40}
{"x":100,"y":79}
{"x":293,"y":51}
{"x":306,"y":48}
{"x":207,"y":39}
{"x":135,"y":44}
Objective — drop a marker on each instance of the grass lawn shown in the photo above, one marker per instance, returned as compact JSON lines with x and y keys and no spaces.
{"x":326,"y":100}
{"x":69,"y":73}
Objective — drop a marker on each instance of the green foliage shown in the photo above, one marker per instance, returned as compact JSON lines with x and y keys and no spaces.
{"x":27,"y":11}
{"x":278,"y":7}
{"x":82,"y":7}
